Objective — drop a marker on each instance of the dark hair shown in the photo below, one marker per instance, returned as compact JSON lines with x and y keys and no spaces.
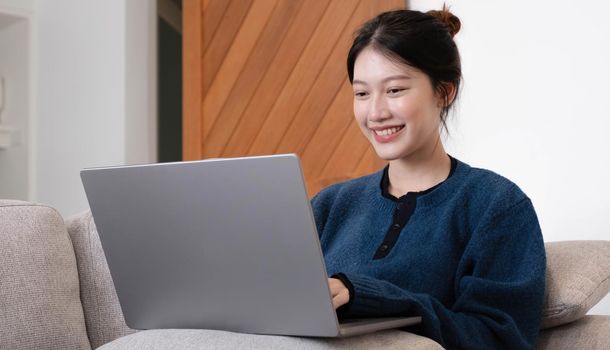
{"x":421,"y":40}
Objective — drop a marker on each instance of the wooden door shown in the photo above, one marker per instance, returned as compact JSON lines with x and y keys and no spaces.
{"x":269,"y":76}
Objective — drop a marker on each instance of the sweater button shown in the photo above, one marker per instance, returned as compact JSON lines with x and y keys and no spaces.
{"x":384,"y":247}
{"x":396,"y":226}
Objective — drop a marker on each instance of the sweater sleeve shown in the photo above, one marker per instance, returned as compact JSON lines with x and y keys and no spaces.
{"x":499,"y":288}
{"x":321,"y":204}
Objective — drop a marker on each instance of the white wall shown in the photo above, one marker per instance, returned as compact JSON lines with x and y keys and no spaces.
{"x":94,"y":105}
{"x":534,"y":106}
{"x":14,"y":161}
{"x":141,"y":81}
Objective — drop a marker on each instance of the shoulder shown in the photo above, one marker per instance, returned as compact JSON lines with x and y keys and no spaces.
{"x":472,"y":196}
{"x":347,"y":196}
{"x":486,"y":177}
{"x":487,"y":186}
{"x":493,"y":208}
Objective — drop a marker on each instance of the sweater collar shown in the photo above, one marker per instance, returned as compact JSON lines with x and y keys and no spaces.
{"x":432,"y":196}
{"x":384,"y":184}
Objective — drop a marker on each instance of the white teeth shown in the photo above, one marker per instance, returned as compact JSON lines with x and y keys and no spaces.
{"x":386,"y":132}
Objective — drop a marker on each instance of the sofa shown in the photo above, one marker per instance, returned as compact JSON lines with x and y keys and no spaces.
{"x":56,"y":292}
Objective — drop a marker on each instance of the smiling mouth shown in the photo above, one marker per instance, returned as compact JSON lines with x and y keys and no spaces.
{"x":388,"y":131}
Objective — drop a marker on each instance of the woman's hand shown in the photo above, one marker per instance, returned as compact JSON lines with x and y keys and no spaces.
{"x":339,"y":292}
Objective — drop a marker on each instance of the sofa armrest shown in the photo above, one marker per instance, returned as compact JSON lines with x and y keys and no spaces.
{"x":103,"y":315}
{"x":40,"y":307}
{"x":591,"y":332}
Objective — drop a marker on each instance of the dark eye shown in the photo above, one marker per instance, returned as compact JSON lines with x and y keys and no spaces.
{"x":360,"y":94}
{"x":394,"y":91}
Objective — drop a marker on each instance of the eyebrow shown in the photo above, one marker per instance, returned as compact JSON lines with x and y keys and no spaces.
{"x":385,"y":80}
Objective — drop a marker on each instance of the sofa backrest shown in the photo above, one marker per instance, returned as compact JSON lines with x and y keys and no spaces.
{"x":40,"y":306}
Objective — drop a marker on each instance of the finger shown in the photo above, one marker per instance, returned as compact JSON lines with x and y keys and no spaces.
{"x":335,"y":286}
{"x":341,"y":298}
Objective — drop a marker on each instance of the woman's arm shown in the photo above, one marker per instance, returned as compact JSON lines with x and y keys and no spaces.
{"x":499,"y":288}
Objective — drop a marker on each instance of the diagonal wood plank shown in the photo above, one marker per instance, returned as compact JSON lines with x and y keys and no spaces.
{"x":370,"y":162}
{"x":375,"y":7}
{"x":303,"y":76}
{"x":320,"y":96}
{"x":347,"y":155}
{"x":221,"y":42}
{"x":244,"y":88}
{"x":234,"y":61}
{"x":299,"y":33}
{"x":328,"y":134}
{"x":213,"y":13}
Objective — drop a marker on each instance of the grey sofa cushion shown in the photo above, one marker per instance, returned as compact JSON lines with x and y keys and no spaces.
{"x":590,"y":332}
{"x":578,"y":277}
{"x":103,"y":315}
{"x":40,"y":306}
{"x":188,"y":339}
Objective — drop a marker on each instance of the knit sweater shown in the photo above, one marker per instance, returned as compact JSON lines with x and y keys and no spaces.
{"x":470,"y":260}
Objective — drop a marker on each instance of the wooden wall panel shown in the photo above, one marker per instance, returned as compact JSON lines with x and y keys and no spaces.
{"x":231,"y":67}
{"x":303,"y":77}
{"x":213,"y":13}
{"x":266,"y":95}
{"x":222,"y":35}
{"x":346,"y":156}
{"x":328,"y":133}
{"x":269,"y":76}
{"x":249,"y":78}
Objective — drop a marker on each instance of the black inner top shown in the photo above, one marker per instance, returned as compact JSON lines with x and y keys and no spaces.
{"x":405,"y":206}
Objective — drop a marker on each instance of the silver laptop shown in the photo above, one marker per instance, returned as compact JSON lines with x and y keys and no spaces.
{"x":228,"y":244}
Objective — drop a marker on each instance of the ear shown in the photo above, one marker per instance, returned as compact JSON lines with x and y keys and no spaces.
{"x":451,"y":93}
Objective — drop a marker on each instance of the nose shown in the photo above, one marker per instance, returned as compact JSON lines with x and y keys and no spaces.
{"x":378,"y":109}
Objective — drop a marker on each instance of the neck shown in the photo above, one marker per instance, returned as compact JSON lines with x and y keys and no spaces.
{"x":419,"y":172}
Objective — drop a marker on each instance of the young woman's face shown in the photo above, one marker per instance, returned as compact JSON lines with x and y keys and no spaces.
{"x":395,"y":107}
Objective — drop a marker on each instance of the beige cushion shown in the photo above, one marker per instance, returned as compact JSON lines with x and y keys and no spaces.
{"x":189,"y":339}
{"x":578,"y":277}
{"x":590,"y":332}
{"x":39,"y":291}
{"x":103,"y":314}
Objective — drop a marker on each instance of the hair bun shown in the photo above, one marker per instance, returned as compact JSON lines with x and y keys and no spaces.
{"x":450,"y":20}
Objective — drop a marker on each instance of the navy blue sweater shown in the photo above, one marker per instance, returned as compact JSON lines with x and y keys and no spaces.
{"x":470,"y":259}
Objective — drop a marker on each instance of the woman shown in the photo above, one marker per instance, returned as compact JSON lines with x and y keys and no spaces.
{"x":428,"y":235}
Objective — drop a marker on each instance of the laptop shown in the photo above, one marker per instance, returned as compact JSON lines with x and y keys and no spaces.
{"x":227,"y":244}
